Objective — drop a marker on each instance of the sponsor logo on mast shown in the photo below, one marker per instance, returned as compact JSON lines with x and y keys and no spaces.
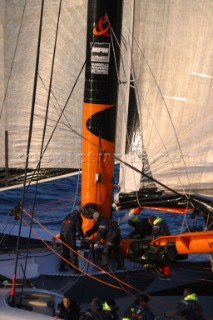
{"x":100,"y":55}
{"x":100,"y":52}
{"x":102,"y":27}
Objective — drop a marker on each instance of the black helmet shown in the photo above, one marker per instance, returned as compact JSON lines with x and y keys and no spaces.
{"x":90,"y":208}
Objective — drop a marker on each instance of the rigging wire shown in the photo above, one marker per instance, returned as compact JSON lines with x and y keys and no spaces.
{"x":122,"y":161}
{"x":99,"y":147}
{"x":12,"y":294}
{"x":132,"y":167}
{"x":44,"y":126}
{"x":5,"y":231}
{"x":57,"y":122}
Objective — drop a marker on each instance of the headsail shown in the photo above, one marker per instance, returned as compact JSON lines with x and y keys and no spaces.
{"x":172,"y":51}
{"x":168,"y":161}
{"x":172,"y":79}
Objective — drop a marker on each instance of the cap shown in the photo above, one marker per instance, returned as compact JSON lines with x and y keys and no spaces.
{"x":96,"y":215}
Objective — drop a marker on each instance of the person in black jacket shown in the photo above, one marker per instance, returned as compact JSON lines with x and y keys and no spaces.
{"x":139,"y":310}
{"x":95,"y":312}
{"x":158,"y":259}
{"x":68,"y":310}
{"x":142,"y":227}
{"x":159,"y":227}
{"x":108,"y":231}
{"x":188,"y":308}
{"x":111,"y":309}
{"x":70,"y":229}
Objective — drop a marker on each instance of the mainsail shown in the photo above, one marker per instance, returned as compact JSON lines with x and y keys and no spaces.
{"x":18,"y":49}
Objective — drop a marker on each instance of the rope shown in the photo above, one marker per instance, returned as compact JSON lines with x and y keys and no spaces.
{"x":58,"y":254}
{"x":81,"y":256}
{"x":120,"y":288}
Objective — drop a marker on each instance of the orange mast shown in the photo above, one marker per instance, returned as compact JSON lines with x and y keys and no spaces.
{"x":99,"y":118}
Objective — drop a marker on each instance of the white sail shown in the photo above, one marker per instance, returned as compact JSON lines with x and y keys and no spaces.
{"x":18,"y":48}
{"x":173,"y":70}
{"x":172,"y":73}
{"x":19,"y":30}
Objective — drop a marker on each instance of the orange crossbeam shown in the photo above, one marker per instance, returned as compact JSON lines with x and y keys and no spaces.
{"x":189,"y":242}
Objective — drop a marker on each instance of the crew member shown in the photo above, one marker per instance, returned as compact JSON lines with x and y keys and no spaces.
{"x":95,"y":312}
{"x":160,"y":228}
{"x":142,"y":227}
{"x":111,"y":309}
{"x":139,"y":310}
{"x":188,"y":308}
{"x":110,"y":232}
{"x":68,"y":310}
{"x":70,"y":229}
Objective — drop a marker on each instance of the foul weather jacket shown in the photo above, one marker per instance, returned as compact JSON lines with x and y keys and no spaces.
{"x":160,"y":228}
{"x":142,"y":227}
{"x":71,"y":227}
{"x":138,"y":312}
{"x":188,"y":309}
